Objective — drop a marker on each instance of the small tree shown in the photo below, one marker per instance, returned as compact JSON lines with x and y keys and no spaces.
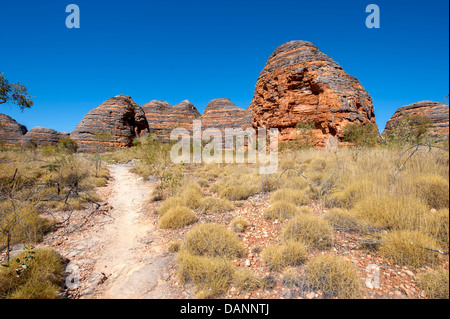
{"x":410,"y":130}
{"x":68,"y":145}
{"x":15,"y":93}
{"x":361,"y":135}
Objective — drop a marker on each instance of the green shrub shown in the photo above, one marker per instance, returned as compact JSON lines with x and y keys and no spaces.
{"x":177,"y":217}
{"x":213,"y":240}
{"x":312,"y":230}
{"x":334,"y":276}
{"x":361,"y":136}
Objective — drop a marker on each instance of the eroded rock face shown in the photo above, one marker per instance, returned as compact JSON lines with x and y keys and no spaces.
{"x":114,"y":123}
{"x":436,"y":111}
{"x":11,"y":132}
{"x":42,"y":136}
{"x":222,"y":113}
{"x":163,"y":118}
{"x":301,"y":84}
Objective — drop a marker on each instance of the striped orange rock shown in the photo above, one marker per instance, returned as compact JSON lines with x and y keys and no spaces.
{"x":163,"y":118}
{"x":11,"y":132}
{"x":299,"y":83}
{"x":222,"y":113}
{"x":436,"y":111}
{"x":114,"y":123}
{"x":42,"y":136}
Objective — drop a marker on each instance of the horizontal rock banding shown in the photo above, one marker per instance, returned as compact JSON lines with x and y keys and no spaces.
{"x":11,"y":132}
{"x":436,"y":111}
{"x":301,"y":84}
{"x":42,"y":136}
{"x":163,"y":118}
{"x":114,"y":123}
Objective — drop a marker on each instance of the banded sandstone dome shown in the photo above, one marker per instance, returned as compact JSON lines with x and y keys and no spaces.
{"x":162,"y":117}
{"x":11,"y":132}
{"x":301,"y":84}
{"x":114,"y":123}
{"x":436,"y":111}
{"x":43,"y":136}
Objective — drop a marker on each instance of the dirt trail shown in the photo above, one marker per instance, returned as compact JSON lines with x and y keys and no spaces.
{"x":121,"y":254}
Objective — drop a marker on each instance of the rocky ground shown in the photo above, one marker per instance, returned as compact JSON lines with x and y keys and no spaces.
{"x":118,"y":251}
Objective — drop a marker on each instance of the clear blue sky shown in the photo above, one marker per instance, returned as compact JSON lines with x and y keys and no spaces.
{"x":201,"y":50}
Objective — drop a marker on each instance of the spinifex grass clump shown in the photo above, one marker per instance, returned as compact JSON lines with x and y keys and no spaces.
{"x":215,"y":205}
{"x":334,"y":276}
{"x":239,"y":224}
{"x":409,"y":248}
{"x":212,"y":276}
{"x":281,"y":210}
{"x":290,"y":253}
{"x":391,"y":212}
{"x":435,"y":283}
{"x":177,"y":217}
{"x":34,"y":274}
{"x":312,"y":230}
{"x":213,"y":240}
{"x":245,"y":280}
{"x":294,"y":196}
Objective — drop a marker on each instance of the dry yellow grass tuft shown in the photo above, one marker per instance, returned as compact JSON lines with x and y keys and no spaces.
{"x":245,"y":280}
{"x":213,"y":240}
{"x":290,"y":253}
{"x":409,"y":248}
{"x":212,"y":276}
{"x":391,"y":212}
{"x":215,"y":205}
{"x":281,"y":210}
{"x":177,"y":217}
{"x":435,"y":283}
{"x":334,"y":276}
{"x":314,"y":231}
{"x":42,"y":279}
{"x":239,"y":224}
{"x":294,"y":196}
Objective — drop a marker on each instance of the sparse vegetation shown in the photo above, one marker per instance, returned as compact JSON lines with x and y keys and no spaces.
{"x":177,"y":217}
{"x":35,"y":274}
{"x":213,"y":240}
{"x":334,"y":276}
{"x":281,"y":210}
{"x":435,"y":284}
{"x":312,"y":230}
{"x":290,"y":253}
{"x":212,"y":276}
{"x":239,"y":224}
{"x":409,"y":248}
